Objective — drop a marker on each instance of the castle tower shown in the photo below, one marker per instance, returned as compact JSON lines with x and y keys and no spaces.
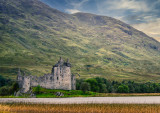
{"x":62,"y":75}
{"x":26,"y":84}
{"x":23,"y":81}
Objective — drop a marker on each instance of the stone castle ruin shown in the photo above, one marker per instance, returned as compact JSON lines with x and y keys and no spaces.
{"x":60,"y":78}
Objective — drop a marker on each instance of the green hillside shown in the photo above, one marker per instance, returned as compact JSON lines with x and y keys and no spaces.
{"x":34,"y":36}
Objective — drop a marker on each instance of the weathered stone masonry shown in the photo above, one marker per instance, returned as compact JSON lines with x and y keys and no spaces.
{"x":60,"y":78}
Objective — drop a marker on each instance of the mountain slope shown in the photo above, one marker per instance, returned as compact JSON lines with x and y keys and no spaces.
{"x":34,"y":36}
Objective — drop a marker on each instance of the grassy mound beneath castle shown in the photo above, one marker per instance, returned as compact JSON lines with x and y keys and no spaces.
{"x":52,"y":93}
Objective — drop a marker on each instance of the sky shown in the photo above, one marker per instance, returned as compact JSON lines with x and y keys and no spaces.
{"x":143,"y":15}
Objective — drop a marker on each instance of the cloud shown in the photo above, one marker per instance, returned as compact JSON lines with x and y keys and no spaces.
{"x":72,"y":11}
{"x":124,"y":8}
{"x":129,"y":5}
{"x":151,"y":28}
{"x":76,"y":4}
{"x":139,"y":18}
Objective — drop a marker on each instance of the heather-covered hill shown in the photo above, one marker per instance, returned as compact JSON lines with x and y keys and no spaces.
{"x":34,"y":36}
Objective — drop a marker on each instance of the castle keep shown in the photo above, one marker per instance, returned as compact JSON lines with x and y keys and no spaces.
{"x":60,"y":78}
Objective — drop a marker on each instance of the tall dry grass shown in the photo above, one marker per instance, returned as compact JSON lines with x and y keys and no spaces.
{"x":79,"y":108}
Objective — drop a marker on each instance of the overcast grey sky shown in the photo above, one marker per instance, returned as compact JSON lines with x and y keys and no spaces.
{"x":141,"y":14}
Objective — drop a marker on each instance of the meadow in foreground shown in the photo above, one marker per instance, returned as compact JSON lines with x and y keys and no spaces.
{"x":81,"y":108}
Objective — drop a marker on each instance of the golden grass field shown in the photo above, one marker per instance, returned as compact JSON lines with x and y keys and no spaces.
{"x":79,"y":108}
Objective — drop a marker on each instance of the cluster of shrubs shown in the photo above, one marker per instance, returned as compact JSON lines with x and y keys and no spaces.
{"x":7,"y":86}
{"x":103,"y":85}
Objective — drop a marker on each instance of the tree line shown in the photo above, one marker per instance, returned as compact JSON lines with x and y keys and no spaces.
{"x":103,"y":85}
{"x":98,"y":84}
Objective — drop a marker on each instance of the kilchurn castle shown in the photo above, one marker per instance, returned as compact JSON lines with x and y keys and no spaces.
{"x":60,"y":78}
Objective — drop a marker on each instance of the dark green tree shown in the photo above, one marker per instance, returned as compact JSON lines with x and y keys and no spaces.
{"x":15,"y":87}
{"x":94,"y":84}
{"x":123,"y":89}
{"x":5,"y":90}
{"x":78,"y":83}
{"x":37,"y":89}
{"x":103,"y":89}
{"x":85,"y":87}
